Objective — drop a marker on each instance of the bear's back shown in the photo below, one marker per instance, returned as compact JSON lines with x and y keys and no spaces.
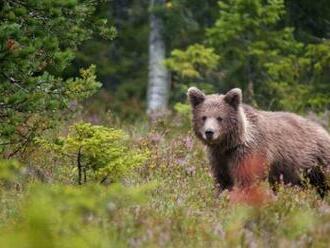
{"x":291,"y":137}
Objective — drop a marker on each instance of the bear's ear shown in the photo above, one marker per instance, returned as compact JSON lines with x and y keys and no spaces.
{"x":195,"y":96}
{"x":234,"y":97}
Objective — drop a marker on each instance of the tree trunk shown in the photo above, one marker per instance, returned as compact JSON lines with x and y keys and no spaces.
{"x":250,"y":99}
{"x":79,"y":166}
{"x":158,"y":85}
{"x":250,"y":91}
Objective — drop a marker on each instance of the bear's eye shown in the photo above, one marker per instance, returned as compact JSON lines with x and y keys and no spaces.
{"x":204,"y":118}
{"x":219,"y":118}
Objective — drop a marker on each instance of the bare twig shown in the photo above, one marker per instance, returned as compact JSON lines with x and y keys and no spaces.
{"x":79,"y":166}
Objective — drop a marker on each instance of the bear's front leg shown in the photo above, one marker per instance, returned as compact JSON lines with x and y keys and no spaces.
{"x":223,"y":179}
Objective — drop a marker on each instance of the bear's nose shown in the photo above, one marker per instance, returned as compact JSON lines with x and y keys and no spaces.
{"x":209,"y":134}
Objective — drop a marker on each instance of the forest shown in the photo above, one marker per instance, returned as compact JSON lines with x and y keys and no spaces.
{"x":96,"y":141}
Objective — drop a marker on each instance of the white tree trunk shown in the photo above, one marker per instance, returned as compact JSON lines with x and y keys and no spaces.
{"x":158,"y":85}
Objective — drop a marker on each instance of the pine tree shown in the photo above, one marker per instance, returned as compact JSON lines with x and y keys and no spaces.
{"x":259,"y":53}
{"x":38,"y":40}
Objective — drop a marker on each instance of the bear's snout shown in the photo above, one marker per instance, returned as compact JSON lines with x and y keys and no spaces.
{"x":209,"y":134}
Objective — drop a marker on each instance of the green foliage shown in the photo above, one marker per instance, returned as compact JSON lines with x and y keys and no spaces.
{"x":102,"y":152}
{"x":67,"y":216}
{"x":190,"y":63}
{"x":299,"y":81}
{"x":9,"y":169}
{"x":261,"y":55}
{"x":195,"y":63}
{"x":183,"y":109}
{"x":186,"y":20}
{"x":184,"y":113}
{"x":309,"y":18}
{"x":122,"y":66}
{"x":37,"y":43}
{"x":248,"y":36}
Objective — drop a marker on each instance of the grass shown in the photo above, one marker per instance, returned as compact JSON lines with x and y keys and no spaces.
{"x":171,"y":201}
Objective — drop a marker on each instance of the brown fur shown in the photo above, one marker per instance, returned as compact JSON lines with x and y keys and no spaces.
{"x":250,"y":145}
{"x":255,"y":195}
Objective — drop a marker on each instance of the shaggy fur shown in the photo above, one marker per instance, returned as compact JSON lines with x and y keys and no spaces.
{"x":246,"y":146}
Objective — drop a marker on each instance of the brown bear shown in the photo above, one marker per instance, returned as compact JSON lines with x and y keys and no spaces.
{"x":246,"y":145}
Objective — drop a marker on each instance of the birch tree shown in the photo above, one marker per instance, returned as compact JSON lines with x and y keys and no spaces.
{"x":158,"y":83}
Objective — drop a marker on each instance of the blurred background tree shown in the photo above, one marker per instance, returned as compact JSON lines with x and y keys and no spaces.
{"x":253,"y":41}
{"x":277,"y":67}
{"x":123,"y":63}
{"x":158,"y":77}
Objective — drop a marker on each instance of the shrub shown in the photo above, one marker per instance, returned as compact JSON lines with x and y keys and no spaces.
{"x":101,"y":151}
{"x":9,"y":170}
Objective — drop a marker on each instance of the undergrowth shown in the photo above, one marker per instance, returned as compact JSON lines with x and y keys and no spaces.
{"x":168,"y":201}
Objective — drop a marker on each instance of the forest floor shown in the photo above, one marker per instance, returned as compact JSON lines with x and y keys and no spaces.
{"x":170,"y":201}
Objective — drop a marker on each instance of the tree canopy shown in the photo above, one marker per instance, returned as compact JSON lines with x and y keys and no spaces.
{"x":38,"y":41}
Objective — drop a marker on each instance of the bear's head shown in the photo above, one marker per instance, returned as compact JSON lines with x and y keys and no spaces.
{"x":218,"y":119}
